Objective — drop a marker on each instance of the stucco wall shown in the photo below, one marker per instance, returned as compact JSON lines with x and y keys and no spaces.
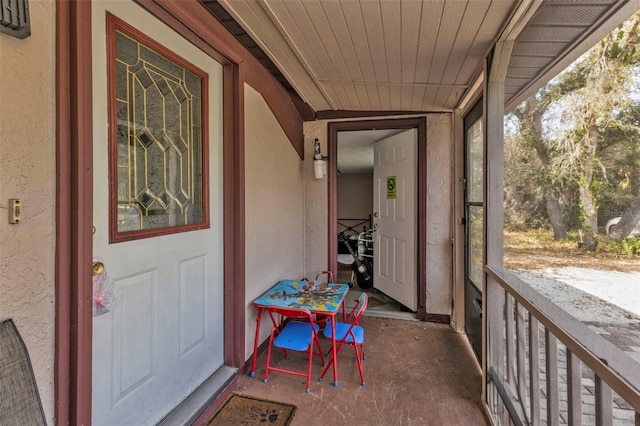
{"x":27,"y":172}
{"x":274,"y":207}
{"x":439,"y":249}
{"x":316,"y":202}
{"x":439,"y":163}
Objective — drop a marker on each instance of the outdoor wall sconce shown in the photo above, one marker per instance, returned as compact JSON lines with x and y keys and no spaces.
{"x":14,"y":18}
{"x":319,"y":162}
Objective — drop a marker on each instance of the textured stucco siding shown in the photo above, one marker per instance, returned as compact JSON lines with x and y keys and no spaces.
{"x":316,"y":202}
{"x":439,"y":249}
{"x":274,"y":207}
{"x":27,"y":172}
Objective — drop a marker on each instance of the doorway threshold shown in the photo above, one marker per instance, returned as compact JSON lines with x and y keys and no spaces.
{"x":407,"y":316}
{"x":189,"y":409}
{"x":380,"y":306}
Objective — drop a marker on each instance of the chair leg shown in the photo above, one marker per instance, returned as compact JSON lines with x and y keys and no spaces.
{"x":319,"y":353}
{"x":326,"y":368}
{"x":309,"y":368}
{"x":359,"y":361}
{"x":266,"y":370}
{"x":268,"y":367}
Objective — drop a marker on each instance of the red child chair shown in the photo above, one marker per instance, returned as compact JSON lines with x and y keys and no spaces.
{"x":350,"y":333}
{"x":300,"y":333}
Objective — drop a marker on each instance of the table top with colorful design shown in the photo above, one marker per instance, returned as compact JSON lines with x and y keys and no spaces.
{"x":314,"y":296}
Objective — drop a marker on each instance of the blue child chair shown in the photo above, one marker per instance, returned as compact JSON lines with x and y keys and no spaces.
{"x":350,"y":333}
{"x":299,"y":333}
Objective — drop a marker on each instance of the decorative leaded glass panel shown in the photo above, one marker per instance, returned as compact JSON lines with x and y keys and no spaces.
{"x":159,"y":139}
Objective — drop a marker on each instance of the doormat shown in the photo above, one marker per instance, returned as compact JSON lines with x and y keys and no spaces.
{"x":248,"y":410}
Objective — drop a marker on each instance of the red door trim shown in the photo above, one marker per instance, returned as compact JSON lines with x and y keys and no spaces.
{"x":74,"y":208}
{"x":115,"y":24}
{"x":419,"y":123}
{"x":74,"y":204}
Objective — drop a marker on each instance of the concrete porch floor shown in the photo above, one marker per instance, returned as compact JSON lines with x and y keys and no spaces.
{"x":416,"y":373}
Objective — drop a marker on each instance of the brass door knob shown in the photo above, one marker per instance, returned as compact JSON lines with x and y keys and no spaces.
{"x":97,"y":268}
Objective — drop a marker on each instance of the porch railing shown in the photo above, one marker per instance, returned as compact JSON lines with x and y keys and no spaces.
{"x":545,"y":367}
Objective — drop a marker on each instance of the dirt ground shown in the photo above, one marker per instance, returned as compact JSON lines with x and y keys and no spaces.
{"x":594,"y":287}
{"x":535,"y":250}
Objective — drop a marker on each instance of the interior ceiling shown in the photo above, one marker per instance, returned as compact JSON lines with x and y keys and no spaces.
{"x":355,"y":149}
{"x":384,"y":56}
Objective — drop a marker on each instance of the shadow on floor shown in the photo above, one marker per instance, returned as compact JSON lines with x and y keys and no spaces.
{"x":416,"y":373}
{"x":380,"y":305}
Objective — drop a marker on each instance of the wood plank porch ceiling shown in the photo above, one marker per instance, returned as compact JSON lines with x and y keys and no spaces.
{"x":391,"y":55}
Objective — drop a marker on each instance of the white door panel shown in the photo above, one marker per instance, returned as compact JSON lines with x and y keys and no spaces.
{"x":163,"y":335}
{"x":395,"y":248}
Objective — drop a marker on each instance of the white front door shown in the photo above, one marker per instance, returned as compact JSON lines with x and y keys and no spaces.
{"x":394,"y":191}
{"x":157,"y":178}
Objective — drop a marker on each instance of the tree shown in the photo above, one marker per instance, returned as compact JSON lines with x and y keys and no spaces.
{"x":619,"y":174}
{"x":602,"y":80}
{"x":530,"y":116}
{"x":578,"y":142}
{"x":524,"y":204}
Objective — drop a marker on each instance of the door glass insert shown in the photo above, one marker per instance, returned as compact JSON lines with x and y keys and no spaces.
{"x":158,"y":183}
{"x":474,"y":214}
{"x":474,"y":164}
{"x":474,"y":195}
{"x":475,"y":245}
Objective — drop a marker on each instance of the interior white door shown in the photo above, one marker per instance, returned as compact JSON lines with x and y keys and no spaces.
{"x":394,"y":189}
{"x":163,"y":334}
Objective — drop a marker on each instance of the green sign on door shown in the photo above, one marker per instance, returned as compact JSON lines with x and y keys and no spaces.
{"x":391,"y":187}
